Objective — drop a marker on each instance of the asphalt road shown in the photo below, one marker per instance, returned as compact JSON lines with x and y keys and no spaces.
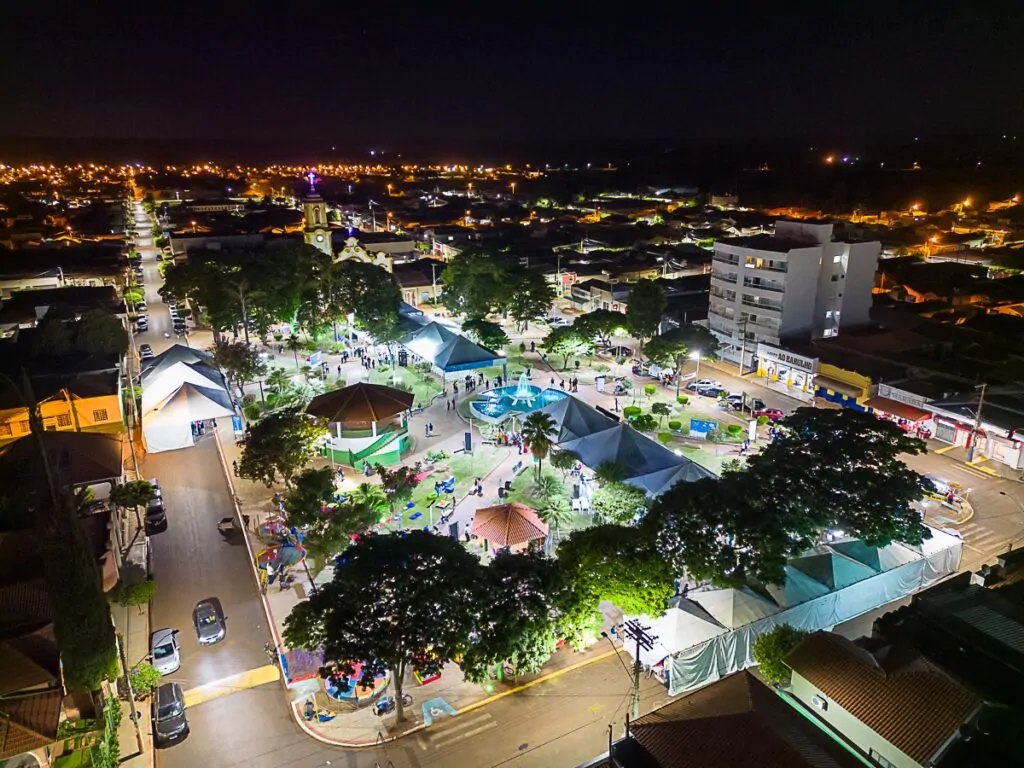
{"x":191,"y":561}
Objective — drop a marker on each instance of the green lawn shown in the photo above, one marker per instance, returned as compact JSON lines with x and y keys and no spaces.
{"x":424,"y":386}
{"x":76,"y":759}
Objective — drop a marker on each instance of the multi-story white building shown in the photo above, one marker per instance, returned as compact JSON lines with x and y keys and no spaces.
{"x":795,"y":284}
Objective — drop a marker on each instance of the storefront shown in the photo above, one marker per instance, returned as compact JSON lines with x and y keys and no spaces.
{"x":907,"y":410}
{"x":847,"y":389}
{"x":787,"y":372}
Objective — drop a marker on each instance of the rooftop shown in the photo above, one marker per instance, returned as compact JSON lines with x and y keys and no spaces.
{"x":911,"y":704}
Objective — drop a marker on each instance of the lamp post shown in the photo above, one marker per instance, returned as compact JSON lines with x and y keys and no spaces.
{"x":977,"y":423}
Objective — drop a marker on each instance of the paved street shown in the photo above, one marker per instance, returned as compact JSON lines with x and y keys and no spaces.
{"x":192,"y":561}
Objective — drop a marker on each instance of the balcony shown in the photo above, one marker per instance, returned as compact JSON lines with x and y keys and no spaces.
{"x":769,"y":306}
{"x":718,"y":293}
{"x":725,"y":314}
{"x":725,"y":277}
{"x":763,"y":285}
{"x":776,"y":266}
{"x":726,"y":258}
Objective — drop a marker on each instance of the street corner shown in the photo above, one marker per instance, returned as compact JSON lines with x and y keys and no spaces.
{"x":356,"y":729}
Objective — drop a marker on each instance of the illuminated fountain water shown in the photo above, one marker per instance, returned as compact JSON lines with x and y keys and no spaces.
{"x":496,"y":405}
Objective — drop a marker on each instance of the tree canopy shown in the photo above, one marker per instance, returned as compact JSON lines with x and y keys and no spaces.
{"x":539,"y":435}
{"x":568,"y":342}
{"x":770,"y":650}
{"x":600,"y":322}
{"x":394,"y":601}
{"x":485,"y":333}
{"x":278,"y":445}
{"x":672,"y":349}
{"x":241,"y":362}
{"x":617,"y":563}
{"x":646,"y":305}
{"x":476,"y":283}
{"x":826,"y":470}
{"x":528,"y":296}
{"x":617,"y":502}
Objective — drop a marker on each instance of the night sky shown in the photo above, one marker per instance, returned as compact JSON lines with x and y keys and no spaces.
{"x":424,"y":71}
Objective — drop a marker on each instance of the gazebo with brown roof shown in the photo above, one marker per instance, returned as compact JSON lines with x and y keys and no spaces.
{"x":510,"y":525}
{"x":360,"y":405}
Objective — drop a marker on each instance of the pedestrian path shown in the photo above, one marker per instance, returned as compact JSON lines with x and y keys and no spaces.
{"x":982,"y":539}
{"x":448,"y":732}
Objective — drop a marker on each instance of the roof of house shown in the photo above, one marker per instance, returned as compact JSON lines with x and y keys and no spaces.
{"x":912,"y":705}
{"x":78,"y":458}
{"x":508,"y":525}
{"x":737,"y":721}
{"x":29,"y":722}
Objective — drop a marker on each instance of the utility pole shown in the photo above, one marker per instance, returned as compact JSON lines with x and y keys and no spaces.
{"x":644,"y":641}
{"x":743,"y":346}
{"x":977,"y":423}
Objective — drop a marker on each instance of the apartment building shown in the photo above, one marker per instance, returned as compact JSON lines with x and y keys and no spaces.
{"x":797,"y":284}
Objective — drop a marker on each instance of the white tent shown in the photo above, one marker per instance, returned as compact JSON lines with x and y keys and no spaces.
{"x":828,"y":586}
{"x":167,"y":426}
{"x":155,"y":389}
{"x":676,"y":630}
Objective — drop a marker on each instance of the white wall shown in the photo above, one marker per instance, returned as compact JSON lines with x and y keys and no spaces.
{"x":860,"y":279}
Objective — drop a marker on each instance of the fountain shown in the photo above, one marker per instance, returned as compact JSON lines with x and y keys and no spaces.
{"x":496,"y":405}
{"x":524,"y":391}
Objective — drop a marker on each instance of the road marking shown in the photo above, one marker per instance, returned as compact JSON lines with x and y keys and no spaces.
{"x":943,"y":449}
{"x":251,"y":678}
{"x":458,"y":732}
{"x":538,"y":681}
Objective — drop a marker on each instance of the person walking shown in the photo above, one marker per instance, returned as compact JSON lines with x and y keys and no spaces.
{"x":234,"y":466}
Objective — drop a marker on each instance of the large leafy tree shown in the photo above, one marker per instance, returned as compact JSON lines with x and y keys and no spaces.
{"x":529,"y":296}
{"x":568,"y":342}
{"x":394,"y":601}
{"x":519,"y":620}
{"x":100,"y":333}
{"x":328,"y":524}
{"x":618,"y":502}
{"x":841,"y":469}
{"x":646,"y":306}
{"x":311,"y":491}
{"x":278,"y":445}
{"x":241,"y":362}
{"x":539,"y":433}
{"x":672,"y":349}
{"x":370,"y":293}
{"x":486,"y":333}
{"x":476,"y":283}
{"x":619,"y":564}
{"x":717,"y":530}
{"x":601,"y":322}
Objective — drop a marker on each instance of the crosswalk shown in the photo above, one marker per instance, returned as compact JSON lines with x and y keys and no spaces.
{"x":981,"y":539}
{"x":445,"y":734}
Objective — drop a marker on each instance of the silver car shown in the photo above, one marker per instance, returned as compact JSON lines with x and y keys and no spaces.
{"x":163,"y":645}
{"x":209,"y":621}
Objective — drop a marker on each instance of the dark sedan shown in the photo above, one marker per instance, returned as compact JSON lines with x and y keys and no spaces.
{"x":210,"y":622}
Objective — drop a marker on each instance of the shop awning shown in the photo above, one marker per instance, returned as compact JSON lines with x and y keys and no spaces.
{"x":839,"y":387}
{"x":896,"y":408}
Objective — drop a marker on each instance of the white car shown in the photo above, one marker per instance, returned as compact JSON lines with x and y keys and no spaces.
{"x":557,"y":322}
{"x":163,"y":645}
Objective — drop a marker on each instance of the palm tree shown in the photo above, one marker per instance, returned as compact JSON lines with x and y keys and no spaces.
{"x":556,"y":512}
{"x":294,"y":344}
{"x":538,"y":435}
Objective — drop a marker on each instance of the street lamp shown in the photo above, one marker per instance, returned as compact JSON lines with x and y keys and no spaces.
{"x":193,"y":227}
{"x":513,"y":187}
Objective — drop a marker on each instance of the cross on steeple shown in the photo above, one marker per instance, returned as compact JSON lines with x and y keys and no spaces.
{"x":311,"y":177}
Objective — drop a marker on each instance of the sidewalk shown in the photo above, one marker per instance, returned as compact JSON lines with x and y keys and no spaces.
{"x":133,"y":631}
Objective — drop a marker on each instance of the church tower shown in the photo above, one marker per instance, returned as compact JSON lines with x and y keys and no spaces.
{"x":315,"y":230}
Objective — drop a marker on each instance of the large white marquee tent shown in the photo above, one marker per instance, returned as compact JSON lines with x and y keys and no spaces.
{"x":179,"y":388}
{"x":711,"y":632}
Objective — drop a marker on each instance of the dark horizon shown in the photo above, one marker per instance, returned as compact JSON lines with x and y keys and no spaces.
{"x":357,"y":77}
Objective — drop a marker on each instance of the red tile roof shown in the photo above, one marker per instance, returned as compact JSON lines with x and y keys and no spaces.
{"x":913,"y":705}
{"x":737,"y":721}
{"x":508,"y":525}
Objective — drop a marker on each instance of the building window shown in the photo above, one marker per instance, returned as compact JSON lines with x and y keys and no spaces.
{"x":835,"y":278}
{"x":64,"y":420}
{"x":100,"y":414}
{"x":6,"y":431}
{"x":828,"y":313}
{"x":837,"y":258}
{"x":830,"y":332}
{"x":879,"y":760}
{"x":25,"y":426}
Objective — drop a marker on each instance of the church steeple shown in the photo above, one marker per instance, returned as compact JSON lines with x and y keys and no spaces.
{"x":314,"y":209}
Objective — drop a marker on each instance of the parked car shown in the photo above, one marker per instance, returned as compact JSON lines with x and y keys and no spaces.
{"x":146,"y":352}
{"x":169,"y":721}
{"x":165,"y":651}
{"x":156,"y":514}
{"x":693,"y":386}
{"x":557,"y":322}
{"x":157,"y":492}
{"x":209,"y":621}
{"x":142,"y":323}
{"x":773,"y":414}
{"x":710,"y":391}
